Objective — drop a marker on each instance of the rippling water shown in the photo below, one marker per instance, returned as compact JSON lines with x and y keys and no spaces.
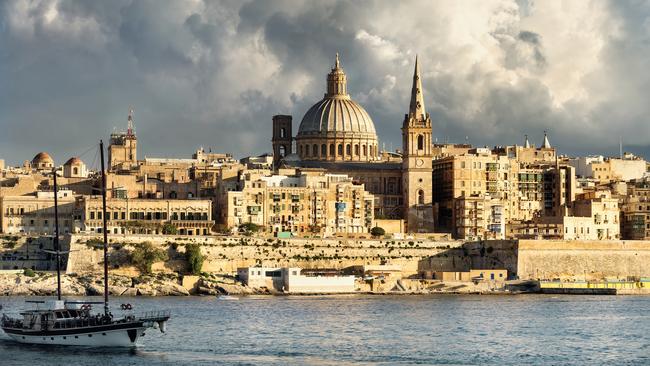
{"x":375,"y":330}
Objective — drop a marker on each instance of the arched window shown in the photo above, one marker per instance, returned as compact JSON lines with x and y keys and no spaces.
{"x":420,"y":142}
{"x":356,"y":150}
{"x":332,"y":150}
{"x":300,"y":150}
{"x":283,"y":151}
{"x":372,"y":151}
{"x":306,"y":150}
{"x":340,"y":149}
{"x":348,"y":150}
{"x":75,"y":170}
{"x":173,"y":195}
{"x":315,"y":150}
{"x":283,"y":132}
{"x":420,"y":197}
{"x":323,"y":150}
{"x":365,"y":150}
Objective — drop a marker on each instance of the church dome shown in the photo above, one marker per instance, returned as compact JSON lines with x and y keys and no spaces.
{"x":73,"y":161}
{"x":337,"y":128}
{"x":42,"y":160}
{"x":42,"y":157}
{"x":338,"y":114}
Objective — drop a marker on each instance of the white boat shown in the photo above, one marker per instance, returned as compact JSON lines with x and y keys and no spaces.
{"x":227,"y":297}
{"x":73,"y":323}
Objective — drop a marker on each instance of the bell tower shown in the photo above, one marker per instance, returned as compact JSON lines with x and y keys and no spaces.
{"x":282,"y":138}
{"x":417,"y":161}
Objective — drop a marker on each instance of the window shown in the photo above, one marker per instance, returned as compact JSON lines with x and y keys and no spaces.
{"x":365,"y":150}
{"x":356,"y":150}
{"x":331,"y":149}
{"x":340,"y":149}
{"x":420,"y":142}
{"x":420,"y":197}
{"x":283,"y":132}
{"x":323,"y":150}
{"x":306,"y":150}
{"x":348,"y":150}
{"x":75,"y":171}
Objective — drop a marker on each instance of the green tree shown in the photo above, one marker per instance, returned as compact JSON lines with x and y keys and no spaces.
{"x":249,"y":227}
{"x":145,"y":255}
{"x":169,"y":229}
{"x":194,"y":258}
{"x":377,"y":231}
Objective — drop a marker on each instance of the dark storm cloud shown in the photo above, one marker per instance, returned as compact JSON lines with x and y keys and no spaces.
{"x":214,"y":73}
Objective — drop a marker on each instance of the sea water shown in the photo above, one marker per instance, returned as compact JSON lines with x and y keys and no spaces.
{"x":372,"y":330}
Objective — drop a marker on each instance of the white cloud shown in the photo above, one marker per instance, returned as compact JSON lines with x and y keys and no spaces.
{"x":213,"y":74}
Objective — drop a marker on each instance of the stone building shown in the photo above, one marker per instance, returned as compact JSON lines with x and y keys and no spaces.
{"x":34,"y":213}
{"x":591,"y":216}
{"x":338,"y":135}
{"x":123,"y":148}
{"x":635,"y":211}
{"x":148,"y":216}
{"x":606,"y":170}
{"x":305,"y":202}
{"x":74,"y":168}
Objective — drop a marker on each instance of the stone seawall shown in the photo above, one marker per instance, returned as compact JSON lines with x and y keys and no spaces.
{"x":527,"y":259}
{"x":225,"y":253}
{"x":582,"y":260}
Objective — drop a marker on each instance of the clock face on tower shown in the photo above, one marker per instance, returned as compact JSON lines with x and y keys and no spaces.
{"x":419,"y":162}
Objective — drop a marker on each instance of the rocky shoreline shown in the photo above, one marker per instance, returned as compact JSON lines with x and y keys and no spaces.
{"x":44,"y":284}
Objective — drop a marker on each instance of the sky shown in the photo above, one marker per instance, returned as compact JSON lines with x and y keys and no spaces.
{"x":213,"y":73}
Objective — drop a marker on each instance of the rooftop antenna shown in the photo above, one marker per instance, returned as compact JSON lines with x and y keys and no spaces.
{"x":129,"y":130}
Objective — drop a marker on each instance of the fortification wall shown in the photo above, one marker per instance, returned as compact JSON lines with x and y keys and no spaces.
{"x":224,"y":254}
{"x":580,"y":260}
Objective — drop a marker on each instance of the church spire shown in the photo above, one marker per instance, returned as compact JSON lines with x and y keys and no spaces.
{"x":527,"y":143}
{"x":546,"y":144}
{"x":416,"y":109}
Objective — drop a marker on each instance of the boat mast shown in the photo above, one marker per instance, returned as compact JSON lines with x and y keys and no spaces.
{"x":56,"y":237}
{"x":104,"y":229}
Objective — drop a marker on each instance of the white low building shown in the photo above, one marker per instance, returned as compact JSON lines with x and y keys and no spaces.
{"x":290,"y":280}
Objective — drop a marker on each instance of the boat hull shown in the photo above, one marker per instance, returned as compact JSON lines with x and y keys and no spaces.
{"x":104,"y":337}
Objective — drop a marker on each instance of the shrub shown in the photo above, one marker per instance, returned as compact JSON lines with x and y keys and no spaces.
{"x":377,"y":231}
{"x":145,"y":255}
{"x":249,"y":227}
{"x":194,"y":258}
{"x":29,"y":272}
{"x":169,"y":229}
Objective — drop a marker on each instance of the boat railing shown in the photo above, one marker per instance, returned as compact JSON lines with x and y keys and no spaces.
{"x":155,"y":315}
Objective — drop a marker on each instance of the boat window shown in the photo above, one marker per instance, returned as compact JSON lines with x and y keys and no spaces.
{"x":59,"y":315}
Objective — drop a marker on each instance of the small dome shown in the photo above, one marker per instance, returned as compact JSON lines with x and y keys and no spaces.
{"x":42,"y":157}
{"x":74,"y":161}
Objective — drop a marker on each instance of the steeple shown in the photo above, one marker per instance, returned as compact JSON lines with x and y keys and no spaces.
{"x":337,"y":81}
{"x":527,"y":143}
{"x":416,"y":108}
{"x":546,"y":144}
